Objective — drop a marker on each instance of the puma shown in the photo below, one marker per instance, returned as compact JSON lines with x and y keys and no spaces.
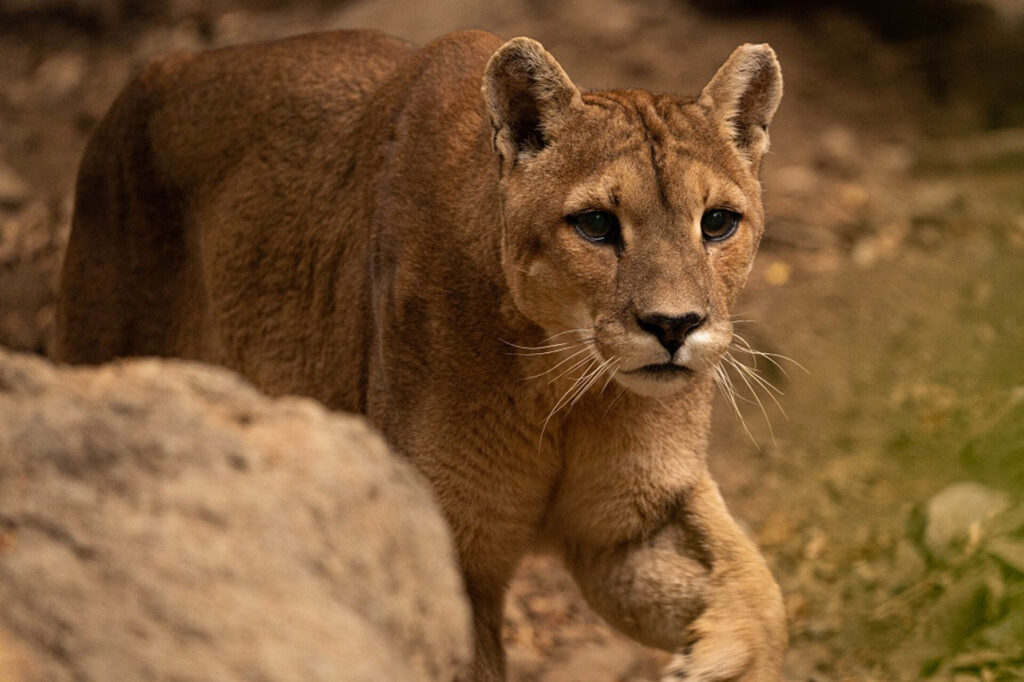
{"x":525,"y":286}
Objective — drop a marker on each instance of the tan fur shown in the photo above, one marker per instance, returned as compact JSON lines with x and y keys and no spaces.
{"x":347,"y":217}
{"x":14,"y":663}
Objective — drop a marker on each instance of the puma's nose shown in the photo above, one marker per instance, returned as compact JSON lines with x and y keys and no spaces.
{"x":670,"y":330}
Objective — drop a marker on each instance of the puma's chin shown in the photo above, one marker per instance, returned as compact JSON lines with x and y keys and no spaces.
{"x":658,"y":380}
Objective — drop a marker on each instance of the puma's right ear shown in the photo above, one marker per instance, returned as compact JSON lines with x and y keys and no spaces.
{"x":742,"y":98}
{"x":527,"y":93}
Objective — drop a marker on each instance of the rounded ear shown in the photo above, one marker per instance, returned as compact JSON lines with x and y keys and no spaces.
{"x":742,"y":98}
{"x":527,"y":94}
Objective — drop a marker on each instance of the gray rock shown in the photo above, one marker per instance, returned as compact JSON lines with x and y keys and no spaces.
{"x":162,"y":520}
{"x":954,"y":516}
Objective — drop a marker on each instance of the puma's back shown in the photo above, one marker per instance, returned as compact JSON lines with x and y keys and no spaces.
{"x":224,"y":184}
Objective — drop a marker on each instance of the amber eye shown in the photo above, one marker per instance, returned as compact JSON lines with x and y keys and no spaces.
{"x":719,"y":224}
{"x":596,"y":226}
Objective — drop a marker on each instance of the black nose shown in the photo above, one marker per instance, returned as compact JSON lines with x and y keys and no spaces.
{"x":670,"y":331}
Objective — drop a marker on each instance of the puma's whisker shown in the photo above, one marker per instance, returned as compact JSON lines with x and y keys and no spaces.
{"x":554,"y":367}
{"x":611,"y":375}
{"x":555,"y":351}
{"x":578,"y":386}
{"x":622,"y":392}
{"x":563,"y":333}
{"x":531,"y":350}
{"x":743,"y":375}
{"x":573,"y":368}
{"x":573,"y":387}
{"x":595,"y":375}
{"x":546,"y":347}
{"x":724,"y":383}
{"x":755,"y":375}
{"x":744,"y":346}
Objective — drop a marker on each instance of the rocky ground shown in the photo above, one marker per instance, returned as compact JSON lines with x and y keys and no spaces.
{"x":888,"y":498}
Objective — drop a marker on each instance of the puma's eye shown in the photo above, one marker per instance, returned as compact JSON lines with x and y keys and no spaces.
{"x":718,"y":224}
{"x":596,"y":226}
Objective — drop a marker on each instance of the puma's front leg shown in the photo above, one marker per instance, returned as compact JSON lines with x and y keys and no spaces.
{"x":696,"y":586}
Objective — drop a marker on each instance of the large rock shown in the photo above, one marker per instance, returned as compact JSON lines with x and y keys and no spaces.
{"x":955,"y":516}
{"x":161,"y":520}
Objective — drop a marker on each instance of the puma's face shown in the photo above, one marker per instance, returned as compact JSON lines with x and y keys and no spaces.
{"x":644,"y":246}
{"x":631,"y":221}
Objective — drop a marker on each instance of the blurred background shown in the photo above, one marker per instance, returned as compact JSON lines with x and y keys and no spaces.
{"x":884,"y":477}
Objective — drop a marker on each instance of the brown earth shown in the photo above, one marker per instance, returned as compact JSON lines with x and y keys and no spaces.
{"x":890,"y":271}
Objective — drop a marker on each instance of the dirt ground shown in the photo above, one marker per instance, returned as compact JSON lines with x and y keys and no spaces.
{"x":891,"y":274}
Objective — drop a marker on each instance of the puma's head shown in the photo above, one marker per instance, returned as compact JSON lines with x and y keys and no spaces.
{"x":630,"y":217}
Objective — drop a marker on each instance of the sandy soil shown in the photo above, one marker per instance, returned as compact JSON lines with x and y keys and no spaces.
{"x":890,"y":272}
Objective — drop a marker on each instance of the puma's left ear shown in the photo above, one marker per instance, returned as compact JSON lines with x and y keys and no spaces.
{"x":527,"y":94}
{"x":742,"y":98}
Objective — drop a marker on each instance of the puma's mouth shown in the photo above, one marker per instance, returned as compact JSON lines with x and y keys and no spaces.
{"x":657,"y":380}
{"x":665,"y":370}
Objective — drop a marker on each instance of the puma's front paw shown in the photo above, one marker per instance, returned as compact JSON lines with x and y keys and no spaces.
{"x":744,"y":643}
